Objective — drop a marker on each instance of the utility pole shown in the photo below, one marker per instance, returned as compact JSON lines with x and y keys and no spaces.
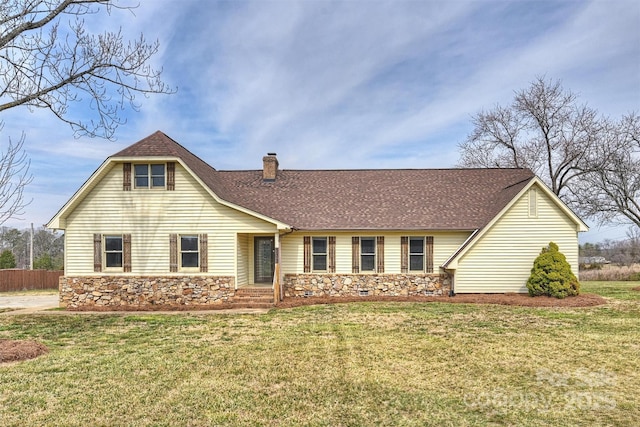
{"x":31,"y":249}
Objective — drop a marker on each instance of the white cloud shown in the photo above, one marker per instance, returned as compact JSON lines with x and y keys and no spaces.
{"x":344,"y":84}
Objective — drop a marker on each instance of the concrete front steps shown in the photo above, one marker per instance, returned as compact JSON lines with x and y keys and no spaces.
{"x":253,"y":297}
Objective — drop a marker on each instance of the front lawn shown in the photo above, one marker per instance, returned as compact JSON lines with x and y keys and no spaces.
{"x":617,"y":290}
{"x":333,"y":365}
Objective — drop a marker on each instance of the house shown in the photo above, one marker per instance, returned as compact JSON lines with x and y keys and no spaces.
{"x":155,"y":224}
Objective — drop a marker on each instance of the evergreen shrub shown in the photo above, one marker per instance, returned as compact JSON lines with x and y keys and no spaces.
{"x":551,"y":275}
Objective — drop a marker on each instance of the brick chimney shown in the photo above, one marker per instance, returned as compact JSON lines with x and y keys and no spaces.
{"x":269,"y":167}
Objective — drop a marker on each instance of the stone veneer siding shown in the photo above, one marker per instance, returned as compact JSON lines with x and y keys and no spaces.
{"x":137,"y":291}
{"x":296,"y":285}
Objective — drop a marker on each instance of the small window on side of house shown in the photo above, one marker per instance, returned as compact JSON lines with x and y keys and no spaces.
{"x":113,"y":251}
{"x":319,"y":250}
{"x":189,"y":253}
{"x":367,"y":254}
{"x":533,"y":203}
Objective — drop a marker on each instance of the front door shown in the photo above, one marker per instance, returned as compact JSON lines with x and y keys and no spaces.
{"x":264,"y":259}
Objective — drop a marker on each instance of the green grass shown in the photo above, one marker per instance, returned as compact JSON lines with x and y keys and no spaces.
{"x":618,"y":290}
{"x":333,"y":365}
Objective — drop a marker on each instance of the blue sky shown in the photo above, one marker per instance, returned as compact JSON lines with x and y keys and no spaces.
{"x":338,"y":85}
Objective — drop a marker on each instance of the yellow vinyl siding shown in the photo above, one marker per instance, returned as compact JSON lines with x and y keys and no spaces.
{"x":501,"y":260}
{"x":243,"y":260}
{"x":250,"y":258}
{"x":445,"y":244}
{"x":150,"y":215}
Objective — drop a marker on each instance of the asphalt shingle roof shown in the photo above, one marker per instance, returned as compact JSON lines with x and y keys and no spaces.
{"x":380,"y":199}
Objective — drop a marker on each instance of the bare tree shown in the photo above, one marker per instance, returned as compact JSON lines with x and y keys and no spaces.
{"x":45,"y":64}
{"x":544,"y":129}
{"x":49,"y":60}
{"x":14,"y":177}
{"x":610,"y":187}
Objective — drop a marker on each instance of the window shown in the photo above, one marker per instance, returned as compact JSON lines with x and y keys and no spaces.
{"x":189,"y":254}
{"x":149,"y":175}
{"x":113,"y":251}
{"x":416,"y":253}
{"x":367,"y":254}
{"x":319,"y":253}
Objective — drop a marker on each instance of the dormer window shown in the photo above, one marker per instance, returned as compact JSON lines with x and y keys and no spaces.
{"x":149,"y":175}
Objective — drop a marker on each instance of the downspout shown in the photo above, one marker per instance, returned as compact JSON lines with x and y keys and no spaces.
{"x":444,"y":266}
{"x":452,"y":291}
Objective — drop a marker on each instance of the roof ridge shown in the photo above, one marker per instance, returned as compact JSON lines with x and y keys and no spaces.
{"x":381,"y":169}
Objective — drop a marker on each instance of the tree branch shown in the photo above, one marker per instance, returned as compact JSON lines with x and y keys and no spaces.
{"x":49,"y":71}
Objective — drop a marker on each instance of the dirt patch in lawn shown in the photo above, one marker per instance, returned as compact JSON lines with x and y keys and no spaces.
{"x":523,"y":300}
{"x":637,"y":288}
{"x":17,"y":350}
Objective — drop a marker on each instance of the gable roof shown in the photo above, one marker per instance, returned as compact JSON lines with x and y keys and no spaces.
{"x":407,"y":199}
{"x":381,"y":199}
{"x":452,"y":261}
{"x":159,"y":144}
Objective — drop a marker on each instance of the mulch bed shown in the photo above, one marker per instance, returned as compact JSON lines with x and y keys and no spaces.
{"x":523,"y":300}
{"x":16,"y":350}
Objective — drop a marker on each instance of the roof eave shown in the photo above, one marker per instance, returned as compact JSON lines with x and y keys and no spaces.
{"x":386,"y":230}
{"x":133,"y":159}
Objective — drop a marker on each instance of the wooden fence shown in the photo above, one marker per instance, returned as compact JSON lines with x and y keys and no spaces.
{"x":18,"y":280}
